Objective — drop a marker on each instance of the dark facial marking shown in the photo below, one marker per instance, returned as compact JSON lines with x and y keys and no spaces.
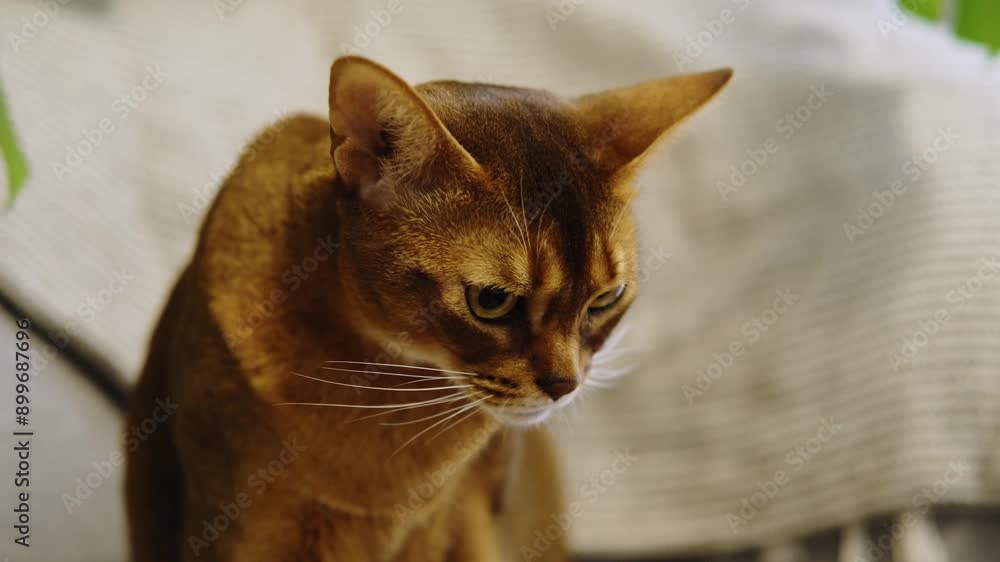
{"x":467,"y":340}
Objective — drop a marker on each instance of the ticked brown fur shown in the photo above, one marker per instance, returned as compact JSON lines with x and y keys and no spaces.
{"x":352,"y":240}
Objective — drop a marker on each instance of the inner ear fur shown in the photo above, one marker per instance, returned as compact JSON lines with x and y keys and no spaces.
{"x":383,"y":130}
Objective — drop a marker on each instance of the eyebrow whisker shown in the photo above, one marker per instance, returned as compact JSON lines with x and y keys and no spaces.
{"x":523,"y":236}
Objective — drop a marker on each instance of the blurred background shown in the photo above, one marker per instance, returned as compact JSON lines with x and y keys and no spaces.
{"x":815,"y":357}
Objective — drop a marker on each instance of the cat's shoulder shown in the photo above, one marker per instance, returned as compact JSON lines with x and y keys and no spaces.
{"x":258,"y":222}
{"x":275,"y":176}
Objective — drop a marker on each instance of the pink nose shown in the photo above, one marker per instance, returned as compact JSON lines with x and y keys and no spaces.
{"x":555,"y":386}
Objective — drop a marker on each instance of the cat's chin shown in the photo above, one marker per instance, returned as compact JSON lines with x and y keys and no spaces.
{"x":522,"y":419}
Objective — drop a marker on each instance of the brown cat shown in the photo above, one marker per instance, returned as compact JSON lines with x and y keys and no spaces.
{"x":378,"y":307}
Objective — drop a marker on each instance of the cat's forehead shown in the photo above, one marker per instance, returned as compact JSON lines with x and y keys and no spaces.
{"x":537,"y":156}
{"x":542,"y":260}
{"x":549,"y":218}
{"x":522,"y":134}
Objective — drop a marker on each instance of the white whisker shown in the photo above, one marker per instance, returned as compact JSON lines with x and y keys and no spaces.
{"x":603,"y":357}
{"x":598,"y":384}
{"x":618,"y":220}
{"x":432,"y":426}
{"x":458,"y":421}
{"x":430,"y":417}
{"x":538,"y":231}
{"x":565,"y":419}
{"x":524,"y":215}
{"x":443,"y":400}
{"x":362,"y":371}
{"x":399,"y":365}
{"x":407,"y":383}
{"x":523,"y":237}
{"x":605,"y":374}
{"x":365,"y":406}
{"x":449,"y":387}
{"x":616,"y":337}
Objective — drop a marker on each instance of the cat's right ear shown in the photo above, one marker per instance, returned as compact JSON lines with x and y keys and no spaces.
{"x":383,"y":132}
{"x":630,"y":120}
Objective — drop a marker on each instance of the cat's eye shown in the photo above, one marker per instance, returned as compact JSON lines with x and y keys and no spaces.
{"x":489,"y":303}
{"x":606,"y":299}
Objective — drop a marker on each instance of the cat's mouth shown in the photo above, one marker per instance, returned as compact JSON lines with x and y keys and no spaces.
{"x":501,"y":397}
{"x":519,"y":411}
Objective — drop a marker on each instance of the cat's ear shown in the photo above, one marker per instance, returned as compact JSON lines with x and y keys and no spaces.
{"x":626,"y":122}
{"x":383,"y":131}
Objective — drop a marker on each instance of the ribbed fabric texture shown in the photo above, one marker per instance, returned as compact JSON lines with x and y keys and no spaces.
{"x":805,"y":426}
{"x":881,"y":375}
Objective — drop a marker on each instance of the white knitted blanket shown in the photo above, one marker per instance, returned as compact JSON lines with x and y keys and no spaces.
{"x":818,"y":336}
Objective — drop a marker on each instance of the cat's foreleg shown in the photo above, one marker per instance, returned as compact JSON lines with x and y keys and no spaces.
{"x":534,"y":502}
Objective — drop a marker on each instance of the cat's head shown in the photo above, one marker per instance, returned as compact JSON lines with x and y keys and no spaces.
{"x":487,"y":230}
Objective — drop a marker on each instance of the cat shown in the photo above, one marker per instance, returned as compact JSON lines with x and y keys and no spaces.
{"x":381,"y":310}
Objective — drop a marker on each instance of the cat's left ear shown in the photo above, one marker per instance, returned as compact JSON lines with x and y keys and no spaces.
{"x":384,"y":133}
{"x":626,"y":122}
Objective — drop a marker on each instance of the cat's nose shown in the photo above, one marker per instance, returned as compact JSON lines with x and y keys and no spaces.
{"x":556,"y":386}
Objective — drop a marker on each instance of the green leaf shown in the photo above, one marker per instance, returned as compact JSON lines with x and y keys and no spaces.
{"x":17,"y":164}
{"x":979,"y":20}
{"x":927,"y":9}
